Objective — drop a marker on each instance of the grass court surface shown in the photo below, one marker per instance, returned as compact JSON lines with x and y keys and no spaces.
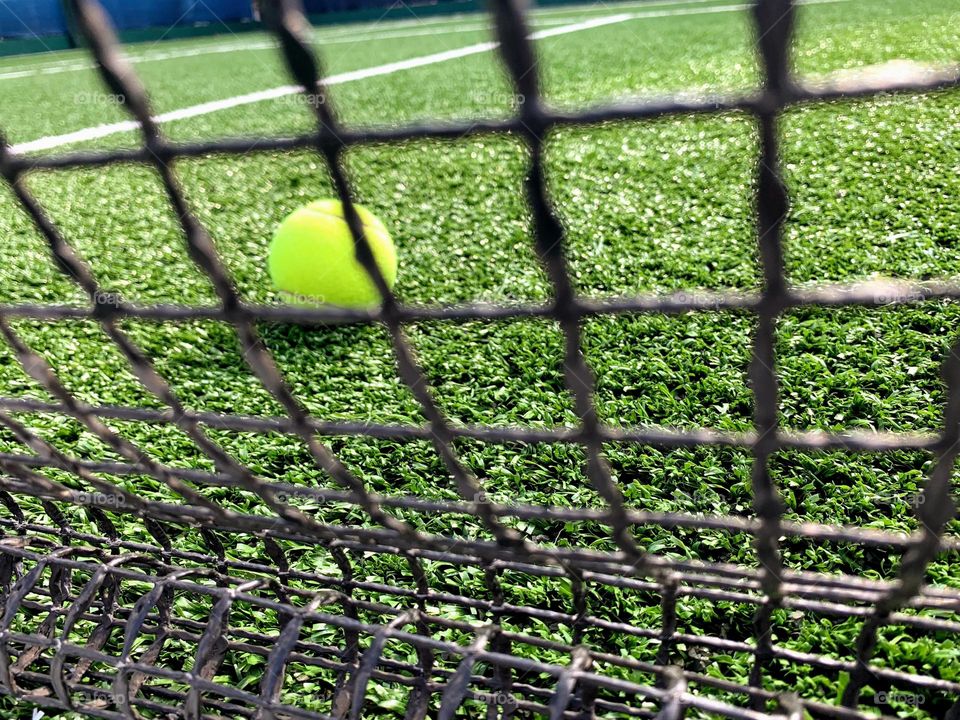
{"x":648,"y":207}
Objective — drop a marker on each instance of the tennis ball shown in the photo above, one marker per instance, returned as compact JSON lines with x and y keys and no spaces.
{"x":312,"y":256}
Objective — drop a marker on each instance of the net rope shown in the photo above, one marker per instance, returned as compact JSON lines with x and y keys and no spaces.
{"x":104,"y":610}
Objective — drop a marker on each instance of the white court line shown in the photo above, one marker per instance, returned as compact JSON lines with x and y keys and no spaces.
{"x":344,"y":38}
{"x":360,"y":34}
{"x":576,"y":9}
{"x":65,"y":66}
{"x":533,"y":14}
{"x":370,"y":33}
{"x":102,"y":131}
{"x":615,"y":5}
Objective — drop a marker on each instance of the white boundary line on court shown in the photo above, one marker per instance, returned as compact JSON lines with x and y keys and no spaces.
{"x":601,"y":6}
{"x":578,"y":10}
{"x":359,"y":34}
{"x":65,"y":66}
{"x":102,"y":131}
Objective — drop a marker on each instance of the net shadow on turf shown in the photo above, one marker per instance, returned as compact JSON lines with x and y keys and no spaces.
{"x":95,"y":621}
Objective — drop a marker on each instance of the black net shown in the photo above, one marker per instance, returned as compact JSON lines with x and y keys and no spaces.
{"x":334,"y":617}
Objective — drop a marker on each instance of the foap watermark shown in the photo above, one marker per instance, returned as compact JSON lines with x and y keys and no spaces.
{"x":497,"y":98}
{"x":294,"y":495}
{"x":108,"y":299}
{"x":510,"y":289}
{"x":695,"y":299}
{"x":898,"y":698}
{"x":911,"y":498}
{"x":99,"y":499}
{"x":896,"y":294}
{"x":312,"y":100}
{"x":287,"y":496}
{"x":118,"y":700}
{"x":99,"y":98}
{"x":501,"y":294}
{"x":499,"y":699}
{"x":291,"y":298}
{"x":698,"y":498}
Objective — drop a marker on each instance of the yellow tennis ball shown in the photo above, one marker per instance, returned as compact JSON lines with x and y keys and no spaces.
{"x":312,"y":256}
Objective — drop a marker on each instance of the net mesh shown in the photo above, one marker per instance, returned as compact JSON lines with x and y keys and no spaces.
{"x":98,"y":623}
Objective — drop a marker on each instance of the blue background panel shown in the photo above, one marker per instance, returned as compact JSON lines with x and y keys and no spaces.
{"x":138,"y":14}
{"x":324,"y":6}
{"x":213,"y":11}
{"x":27,"y":18}
{"x":135,"y":14}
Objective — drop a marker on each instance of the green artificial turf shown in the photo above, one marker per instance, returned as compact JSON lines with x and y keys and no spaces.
{"x":648,"y":207}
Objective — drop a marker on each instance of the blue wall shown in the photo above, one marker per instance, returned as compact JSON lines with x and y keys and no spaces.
{"x":27,"y":18}
{"x":323,"y":6}
{"x":33,"y":18}
{"x":137,"y":14}
{"x":132,"y":14}
{"x":214,"y":11}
